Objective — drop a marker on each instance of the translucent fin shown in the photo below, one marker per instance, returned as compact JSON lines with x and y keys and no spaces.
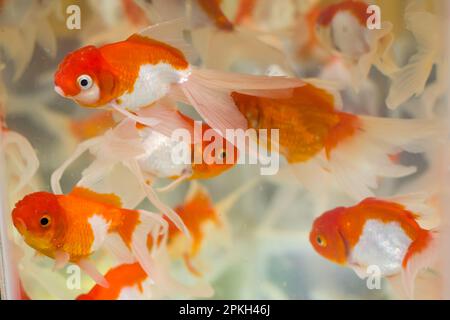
{"x":172,"y":33}
{"x":209,"y":92}
{"x":61,"y":259}
{"x":173,"y":287}
{"x":154,"y":199}
{"x":27,"y":154}
{"x":411,"y":79}
{"x":214,"y":106}
{"x":168,"y":115}
{"x":153,"y":225}
{"x":418,"y":259}
{"x":90,"y":269}
{"x":357,"y":162}
{"x":417,"y":202}
{"x":175,"y":183}
{"x":55,"y":179}
{"x":143,"y":120}
{"x":117,"y":247}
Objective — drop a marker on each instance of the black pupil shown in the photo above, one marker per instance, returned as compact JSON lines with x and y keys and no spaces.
{"x":319,"y":240}
{"x":84,"y":82}
{"x":44,"y":221}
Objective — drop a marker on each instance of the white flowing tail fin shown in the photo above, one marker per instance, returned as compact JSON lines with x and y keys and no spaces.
{"x":150,"y":225}
{"x":411,"y":79}
{"x":422,"y":254}
{"x":209,"y":92}
{"x":357,"y":162}
{"x":154,"y":199}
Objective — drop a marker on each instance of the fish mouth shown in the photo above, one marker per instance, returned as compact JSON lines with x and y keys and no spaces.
{"x":59,"y":91}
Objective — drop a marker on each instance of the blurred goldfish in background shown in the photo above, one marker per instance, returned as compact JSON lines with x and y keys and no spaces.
{"x":70,"y":228}
{"x":375,"y":232}
{"x":220,"y":43}
{"x":411,"y":79}
{"x":343,"y":28}
{"x":326,"y":145}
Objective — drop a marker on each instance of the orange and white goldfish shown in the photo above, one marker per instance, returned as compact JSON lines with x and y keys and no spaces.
{"x":137,"y":72}
{"x":327,"y":146}
{"x":129,"y":281}
{"x":411,"y":79}
{"x":343,"y":28}
{"x":147,"y":153}
{"x":70,"y":228}
{"x":376,"y":232}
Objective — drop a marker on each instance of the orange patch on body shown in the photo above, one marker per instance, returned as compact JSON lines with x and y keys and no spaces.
{"x":125,"y":59}
{"x":196,"y":213}
{"x":120,"y":277}
{"x":354,"y":218}
{"x":346,"y":127}
{"x":129,"y":223}
{"x":307,"y":121}
{"x":80,"y":205}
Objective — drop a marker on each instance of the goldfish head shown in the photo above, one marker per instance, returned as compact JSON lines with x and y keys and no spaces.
{"x":85,"y":77}
{"x":326,"y":237}
{"x":342,"y":27}
{"x":218,"y":153}
{"x":40,"y":220}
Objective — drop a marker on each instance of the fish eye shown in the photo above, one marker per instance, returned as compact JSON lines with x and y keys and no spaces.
{"x":45,"y":221}
{"x":223,"y":154}
{"x":321,"y":241}
{"x":84,"y":82}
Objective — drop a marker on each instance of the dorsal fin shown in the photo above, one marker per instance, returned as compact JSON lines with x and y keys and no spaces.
{"x":110,"y":198}
{"x":170,"y":33}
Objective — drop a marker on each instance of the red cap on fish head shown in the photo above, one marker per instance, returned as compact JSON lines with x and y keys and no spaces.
{"x":357,"y":8}
{"x":40,"y":216}
{"x":326,"y":238}
{"x":84,"y":61}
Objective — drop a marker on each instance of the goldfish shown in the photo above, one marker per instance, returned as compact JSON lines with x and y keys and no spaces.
{"x":129,"y":281}
{"x":147,"y":153}
{"x":376,"y":232}
{"x":325,"y":146}
{"x":137,"y":72}
{"x":70,"y":228}
{"x":218,"y":42}
{"x":411,"y":79}
{"x":343,"y":27}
